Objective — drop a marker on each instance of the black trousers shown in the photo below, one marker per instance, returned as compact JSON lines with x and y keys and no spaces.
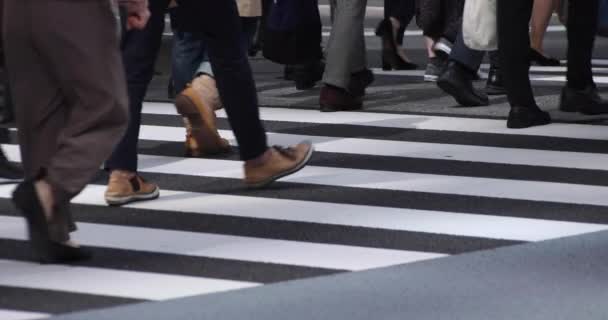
{"x":402,"y":10}
{"x":220,"y":26}
{"x":514,"y":45}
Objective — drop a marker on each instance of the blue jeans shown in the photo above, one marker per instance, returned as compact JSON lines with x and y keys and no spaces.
{"x":190,"y":56}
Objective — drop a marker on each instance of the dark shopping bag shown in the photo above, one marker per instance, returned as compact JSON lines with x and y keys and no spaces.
{"x":292,"y":32}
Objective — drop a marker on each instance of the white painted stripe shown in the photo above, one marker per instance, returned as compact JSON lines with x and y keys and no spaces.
{"x":406,"y":121}
{"x":115,"y":283}
{"x":597,"y":79}
{"x":538,"y":69}
{"x":229,"y":247}
{"x":434,"y":222}
{"x":21,"y":315}
{"x":421,"y":150}
{"x":385,"y":180}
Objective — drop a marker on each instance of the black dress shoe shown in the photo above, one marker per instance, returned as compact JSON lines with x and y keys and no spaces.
{"x":495,"y":85}
{"x":586,"y":101}
{"x":334,"y":99}
{"x":525,"y":117}
{"x":457,"y":81}
{"x":542,"y":60}
{"x":359,"y":81}
{"x":306,"y":76}
{"x":26,"y":200}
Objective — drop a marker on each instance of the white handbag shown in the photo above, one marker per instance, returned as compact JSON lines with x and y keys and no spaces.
{"x":479,"y":25}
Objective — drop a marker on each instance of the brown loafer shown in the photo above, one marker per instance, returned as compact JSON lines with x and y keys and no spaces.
{"x":282,"y":162}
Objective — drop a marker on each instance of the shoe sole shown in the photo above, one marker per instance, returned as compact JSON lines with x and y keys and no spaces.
{"x":428,"y":78}
{"x":203,"y":121}
{"x":495,"y":91}
{"x":453,"y":92}
{"x":119,"y":201}
{"x":274,"y":178}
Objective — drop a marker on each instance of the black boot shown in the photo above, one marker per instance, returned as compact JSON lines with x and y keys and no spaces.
{"x":457,"y":81}
{"x":586,"y":101}
{"x":391,"y":60}
{"x":525,"y":117}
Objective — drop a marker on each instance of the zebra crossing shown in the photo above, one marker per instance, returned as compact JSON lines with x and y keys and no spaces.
{"x":383,"y":189}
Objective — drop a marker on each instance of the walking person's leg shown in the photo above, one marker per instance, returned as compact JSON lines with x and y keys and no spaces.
{"x":72,"y":124}
{"x":140,"y":50}
{"x":345,"y":57}
{"x":541,"y":16}
{"x":581,"y":94}
{"x":220,"y":24}
{"x":514,"y":45}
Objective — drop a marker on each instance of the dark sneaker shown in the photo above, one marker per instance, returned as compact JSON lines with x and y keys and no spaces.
{"x":434,"y":69}
{"x":333,"y":99}
{"x":457,"y":81}
{"x":443,"y":48}
{"x":525,"y":117}
{"x":587,"y":101}
{"x":495,"y":85}
{"x":282,"y":162}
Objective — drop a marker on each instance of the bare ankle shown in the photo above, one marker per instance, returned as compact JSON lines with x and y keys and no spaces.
{"x":45,"y":196}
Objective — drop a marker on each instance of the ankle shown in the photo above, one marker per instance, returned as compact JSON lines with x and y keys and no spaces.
{"x":260,"y":160}
{"x":122,"y":173}
{"x":44,"y":192}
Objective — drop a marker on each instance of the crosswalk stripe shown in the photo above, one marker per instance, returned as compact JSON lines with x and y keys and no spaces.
{"x":436,"y":222}
{"x":128,"y":284}
{"x":229,"y":247}
{"x":383,"y":180}
{"x":405,"y":121}
{"x":21,"y":315}
{"x":454,"y":152}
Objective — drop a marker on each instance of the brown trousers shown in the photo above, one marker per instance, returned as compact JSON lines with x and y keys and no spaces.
{"x":69,"y":87}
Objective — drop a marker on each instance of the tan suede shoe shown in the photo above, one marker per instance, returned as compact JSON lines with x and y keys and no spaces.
{"x":202,"y":137}
{"x":126,"y":187}
{"x":281,"y":162}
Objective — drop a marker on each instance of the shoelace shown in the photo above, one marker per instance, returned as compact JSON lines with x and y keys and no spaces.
{"x":285,"y":151}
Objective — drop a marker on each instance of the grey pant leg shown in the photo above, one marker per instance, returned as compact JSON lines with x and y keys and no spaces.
{"x":346,"y":47}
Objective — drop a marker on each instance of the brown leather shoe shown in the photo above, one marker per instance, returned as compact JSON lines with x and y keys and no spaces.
{"x":281,"y":162}
{"x":126,"y":187}
{"x":337,"y":99}
{"x":202,"y":137}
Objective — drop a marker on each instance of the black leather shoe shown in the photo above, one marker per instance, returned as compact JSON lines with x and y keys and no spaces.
{"x":288,"y":72}
{"x":542,"y":60}
{"x":334,"y":99}
{"x":307,"y":76}
{"x":495,"y":85}
{"x":359,"y":81}
{"x":586,"y":101}
{"x":525,"y":117}
{"x":391,"y":60}
{"x":457,"y":81}
{"x":26,"y":200}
